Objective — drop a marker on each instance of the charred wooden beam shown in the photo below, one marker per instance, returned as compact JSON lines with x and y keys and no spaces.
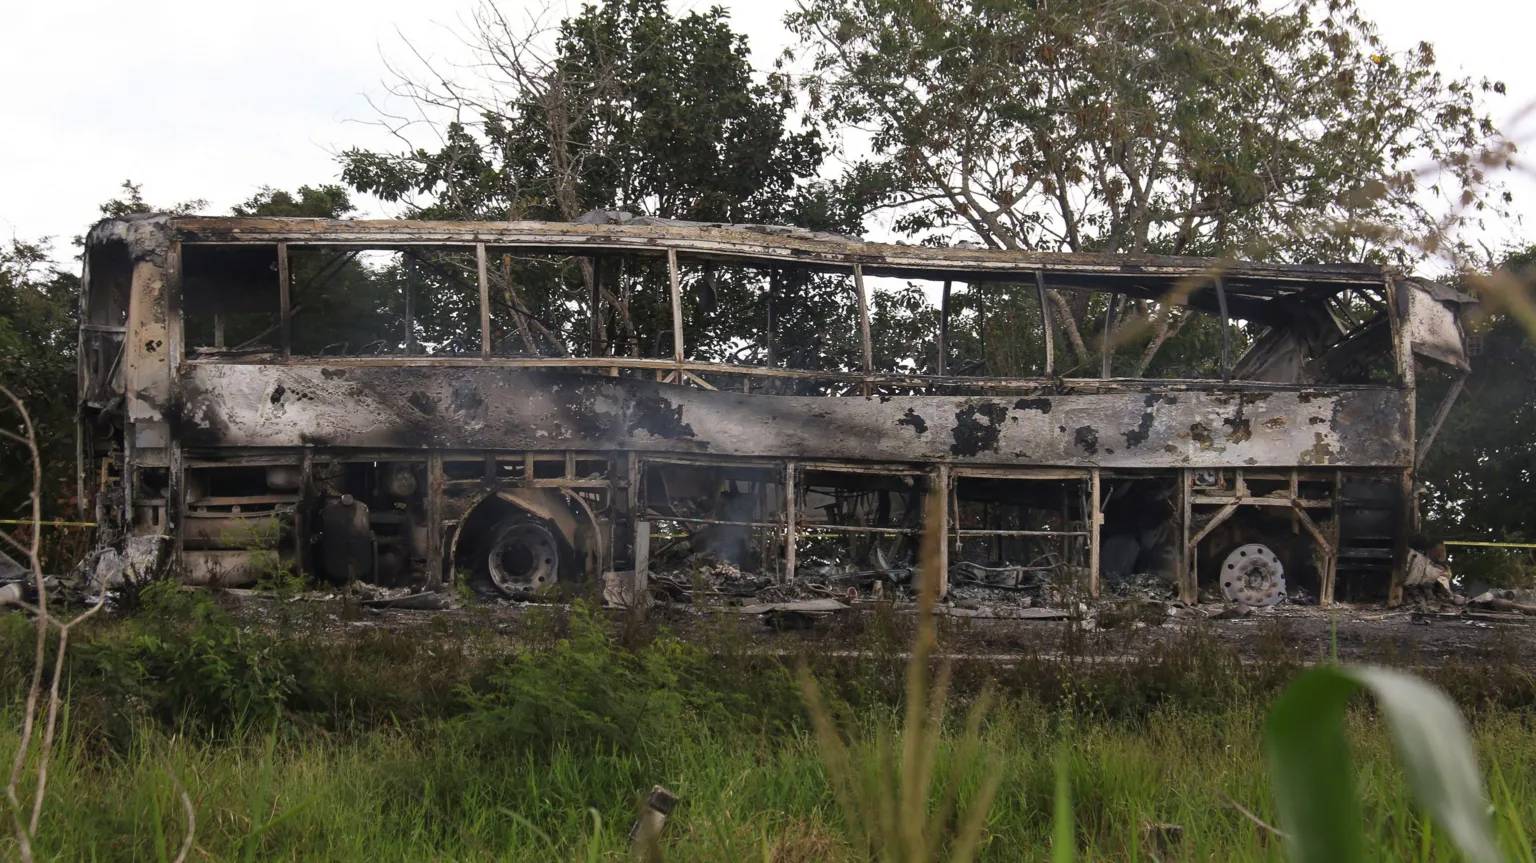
{"x":483,"y":283}
{"x":943,"y":341}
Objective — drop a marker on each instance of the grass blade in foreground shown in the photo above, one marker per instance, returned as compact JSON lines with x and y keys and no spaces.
{"x":1063,"y":837}
{"x":1314,"y":783}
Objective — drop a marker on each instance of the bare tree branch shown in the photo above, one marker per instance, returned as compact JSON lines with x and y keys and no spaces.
{"x":29,"y":747}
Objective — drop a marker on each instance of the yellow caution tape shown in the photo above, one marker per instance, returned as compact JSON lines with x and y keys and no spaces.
{"x":48,"y":523}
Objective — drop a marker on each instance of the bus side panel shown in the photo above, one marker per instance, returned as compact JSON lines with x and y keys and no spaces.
{"x":530,"y":409}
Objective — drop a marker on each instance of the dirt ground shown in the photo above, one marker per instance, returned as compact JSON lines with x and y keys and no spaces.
{"x":1108,"y":631}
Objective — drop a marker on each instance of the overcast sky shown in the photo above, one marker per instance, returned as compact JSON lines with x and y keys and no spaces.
{"x":201,"y":99}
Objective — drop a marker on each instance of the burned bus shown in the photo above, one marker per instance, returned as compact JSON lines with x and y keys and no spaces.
{"x":526,"y":406}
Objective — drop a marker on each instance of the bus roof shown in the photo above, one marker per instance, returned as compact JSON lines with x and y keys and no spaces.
{"x":1247,"y":284}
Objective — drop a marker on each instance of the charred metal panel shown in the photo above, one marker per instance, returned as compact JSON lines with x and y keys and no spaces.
{"x":1434,"y":326}
{"x":523,"y":409}
{"x":147,"y":349}
{"x":147,"y":355}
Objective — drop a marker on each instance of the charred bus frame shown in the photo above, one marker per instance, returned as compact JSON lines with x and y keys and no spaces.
{"x":416,"y":467}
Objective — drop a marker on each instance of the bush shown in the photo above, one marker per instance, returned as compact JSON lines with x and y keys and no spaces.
{"x":1494,"y":567}
{"x":585,"y":690}
{"x":185,"y":661}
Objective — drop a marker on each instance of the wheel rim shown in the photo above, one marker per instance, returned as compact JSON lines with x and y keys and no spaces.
{"x":524,"y":557}
{"x":1253,"y":575}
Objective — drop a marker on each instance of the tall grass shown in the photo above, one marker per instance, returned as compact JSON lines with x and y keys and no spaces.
{"x":416,"y":792}
{"x":449,"y":745}
{"x":900,"y":801}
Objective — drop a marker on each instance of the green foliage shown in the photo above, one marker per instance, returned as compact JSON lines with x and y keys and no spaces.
{"x":1193,"y":128}
{"x":260,"y":538}
{"x":1314,"y":782}
{"x":410,"y":791}
{"x":584,"y":690}
{"x":1236,"y":128}
{"x":1483,"y":464}
{"x":327,"y":201}
{"x":188,"y":663}
{"x":1475,"y":568}
{"x":132,"y":201}
{"x":1063,"y":836}
{"x":38,"y":313}
{"x":663,"y":117}
{"x":377,"y":754}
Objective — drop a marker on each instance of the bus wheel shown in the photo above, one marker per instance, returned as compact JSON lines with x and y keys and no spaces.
{"x":523,"y":556}
{"x":1252,"y":574}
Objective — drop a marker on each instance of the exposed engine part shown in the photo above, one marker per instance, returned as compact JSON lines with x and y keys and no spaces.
{"x":522,"y":555}
{"x":1253,"y":575}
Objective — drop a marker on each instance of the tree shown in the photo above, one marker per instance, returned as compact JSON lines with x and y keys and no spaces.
{"x":622,"y":106}
{"x":1225,"y":128}
{"x":132,"y":201}
{"x":1480,"y":473}
{"x":329,"y":201}
{"x":38,"y":313}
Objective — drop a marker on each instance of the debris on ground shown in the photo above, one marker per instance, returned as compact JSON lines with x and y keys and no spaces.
{"x":805,"y":606}
{"x":622,"y":590}
{"x":418,"y":601}
{"x":1142,"y":585}
{"x":143,"y":557}
{"x":801,"y":614}
{"x":1233,"y":611}
{"x":11,"y":593}
{"x":1006,"y":613}
{"x":645,"y":833}
{"x":1501,"y":601}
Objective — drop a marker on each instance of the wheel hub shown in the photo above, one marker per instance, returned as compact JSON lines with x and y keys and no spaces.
{"x":523,"y":557}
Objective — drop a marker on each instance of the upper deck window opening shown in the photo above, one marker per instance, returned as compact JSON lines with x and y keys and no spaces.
{"x":1338,"y":338}
{"x":111,"y":280}
{"x":229,"y":297}
{"x":405,"y":296}
{"x":556,"y":304}
{"x":952,"y":327}
{"x":772,"y":317}
{"x":539,"y":303}
{"x":995,"y":330}
{"x":109,"y":284}
{"x":1157,"y":339}
{"x":408,"y":301}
